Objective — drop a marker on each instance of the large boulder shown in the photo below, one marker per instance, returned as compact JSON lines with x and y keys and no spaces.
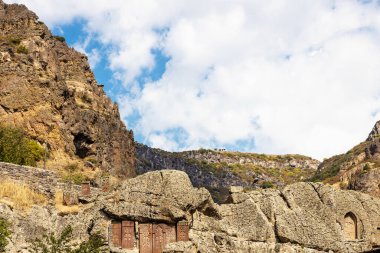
{"x":159,"y":196}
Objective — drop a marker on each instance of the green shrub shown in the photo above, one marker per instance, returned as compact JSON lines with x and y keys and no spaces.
{"x":15,"y":41}
{"x":75,"y":178}
{"x":22,"y":50}
{"x":16,"y":148}
{"x":267,"y":184}
{"x":72,"y":167}
{"x":60,"y":38}
{"x":93,"y":245}
{"x":367,"y":167}
{"x":4,"y":234}
{"x":61,"y":244}
{"x":51,"y":244}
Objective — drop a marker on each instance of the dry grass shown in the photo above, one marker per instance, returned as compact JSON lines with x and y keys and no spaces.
{"x":19,"y":195}
{"x":62,"y":209}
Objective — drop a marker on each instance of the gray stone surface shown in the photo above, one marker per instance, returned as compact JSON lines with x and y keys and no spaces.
{"x":303,"y":217}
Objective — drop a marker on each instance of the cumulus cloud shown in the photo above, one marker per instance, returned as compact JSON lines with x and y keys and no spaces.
{"x":273,"y":76}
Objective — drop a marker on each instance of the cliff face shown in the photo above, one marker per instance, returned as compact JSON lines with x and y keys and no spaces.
{"x":302,"y":217}
{"x":49,"y":90}
{"x":358,"y":169}
{"x":217,"y":170}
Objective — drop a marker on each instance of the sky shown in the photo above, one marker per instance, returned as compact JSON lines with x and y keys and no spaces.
{"x":274,"y":76}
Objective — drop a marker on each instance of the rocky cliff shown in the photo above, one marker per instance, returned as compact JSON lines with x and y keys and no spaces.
{"x":217,"y":170}
{"x":49,"y":90}
{"x":358,"y":169}
{"x":301,"y":218}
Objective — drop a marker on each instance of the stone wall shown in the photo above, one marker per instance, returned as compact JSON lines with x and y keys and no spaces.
{"x":40,"y":180}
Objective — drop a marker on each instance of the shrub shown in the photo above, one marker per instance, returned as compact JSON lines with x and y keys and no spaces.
{"x":267,"y":184}
{"x":72,"y":167}
{"x":16,"y":148}
{"x":15,"y":41}
{"x":22,"y":50}
{"x":60,"y":38}
{"x":4,"y":234}
{"x":367,"y":167}
{"x":61,"y":244}
{"x":93,"y":245}
{"x":75,"y":178}
{"x":51,"y":244}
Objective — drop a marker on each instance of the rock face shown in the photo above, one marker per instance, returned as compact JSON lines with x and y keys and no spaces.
{"x":217,"y":170}
{"x":358,"y":169}
{"x":303,"y":217}
{"x":375,"y":133}
{"x":48,"y":89}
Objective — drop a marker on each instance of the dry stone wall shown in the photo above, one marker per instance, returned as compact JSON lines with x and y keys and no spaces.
{"x":43,"y":181}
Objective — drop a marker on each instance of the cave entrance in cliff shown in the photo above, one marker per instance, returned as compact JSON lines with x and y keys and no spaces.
{"x":350,"y":227}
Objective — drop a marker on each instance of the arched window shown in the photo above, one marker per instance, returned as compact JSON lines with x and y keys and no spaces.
{"x":350,"y":227}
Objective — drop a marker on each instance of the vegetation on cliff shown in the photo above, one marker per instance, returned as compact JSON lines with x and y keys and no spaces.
{"x":62,"y":243}
{"x":5,"y":233}
{"x":16,"y":148}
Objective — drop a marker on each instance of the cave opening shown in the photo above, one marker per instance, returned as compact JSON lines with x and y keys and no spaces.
{"x":82,"y":143}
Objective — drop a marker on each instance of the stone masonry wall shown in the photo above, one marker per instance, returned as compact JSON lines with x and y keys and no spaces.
{"x":43,"y":181}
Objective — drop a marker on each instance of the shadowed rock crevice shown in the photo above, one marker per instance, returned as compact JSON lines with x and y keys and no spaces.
{"x":83,"y":144}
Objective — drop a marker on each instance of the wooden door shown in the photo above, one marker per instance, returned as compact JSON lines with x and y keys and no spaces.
{"x":146,"y":238}
{"x":170,"y":234}
{"x":182,"y":231}
{"x":158,"y":238}
{"x":128,"y":235}
{"x":116,"y":234}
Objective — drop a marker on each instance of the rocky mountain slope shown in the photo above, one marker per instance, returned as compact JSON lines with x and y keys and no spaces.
{"x":217,"y":170}
{"x":358,"y":169}
{"x":48,"y":90}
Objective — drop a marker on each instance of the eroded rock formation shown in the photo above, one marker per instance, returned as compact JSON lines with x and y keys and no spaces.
{"x":49,"y":90}
{"x":358,"y":169}
{"x":303,"y":217}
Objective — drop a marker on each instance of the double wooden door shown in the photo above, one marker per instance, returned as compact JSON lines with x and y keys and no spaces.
{"x":154,"y":237}
{"x":123,"y":234}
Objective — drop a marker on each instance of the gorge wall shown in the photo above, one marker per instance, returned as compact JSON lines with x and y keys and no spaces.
{"x":217,"y":170}
{"x":48,"y":90}
{"x":358,"y":169}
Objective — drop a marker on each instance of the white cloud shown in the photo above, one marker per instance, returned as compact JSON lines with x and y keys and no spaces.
{"x":296,"y":76}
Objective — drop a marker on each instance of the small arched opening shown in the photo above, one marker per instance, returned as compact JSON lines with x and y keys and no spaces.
{"x":350,"y":227}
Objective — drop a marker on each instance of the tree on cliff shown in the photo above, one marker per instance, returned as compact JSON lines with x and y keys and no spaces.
{"x":16,"y":148}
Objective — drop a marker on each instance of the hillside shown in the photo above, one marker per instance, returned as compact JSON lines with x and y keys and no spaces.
{"x":217,"y":170}
{"x":49,"y":91}
{"x":358,"y":169}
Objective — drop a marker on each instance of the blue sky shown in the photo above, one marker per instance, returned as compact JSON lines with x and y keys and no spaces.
{"x":280,"y":76}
